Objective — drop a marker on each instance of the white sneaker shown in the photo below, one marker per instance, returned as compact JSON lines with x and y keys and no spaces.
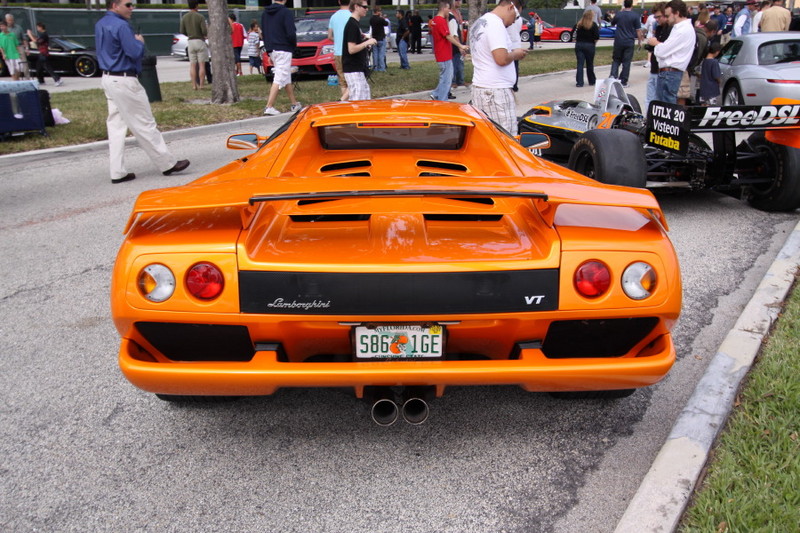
{"x":59,"y":83}
{"x":271,"y":111}
{"x":296,"y":107}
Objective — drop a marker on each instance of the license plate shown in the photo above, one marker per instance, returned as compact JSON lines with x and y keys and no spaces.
{"x":399,"y":342}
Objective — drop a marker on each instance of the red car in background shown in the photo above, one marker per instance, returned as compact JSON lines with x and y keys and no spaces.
{"x":549,"y":33}
{"x":314,"y":52}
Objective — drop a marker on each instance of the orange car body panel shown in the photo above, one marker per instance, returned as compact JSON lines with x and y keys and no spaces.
{"x":411,"y":216}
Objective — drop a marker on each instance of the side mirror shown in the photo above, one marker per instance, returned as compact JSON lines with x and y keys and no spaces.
{"x":535,"y":140}
{"x":243,"y":141}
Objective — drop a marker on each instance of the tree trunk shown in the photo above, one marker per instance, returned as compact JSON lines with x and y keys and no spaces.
{"x":223,"y":87}
{"x":474,"y":10}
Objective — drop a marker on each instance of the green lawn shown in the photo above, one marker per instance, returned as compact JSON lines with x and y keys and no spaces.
{"x":753,"y":480}
{"x":182,"y":107}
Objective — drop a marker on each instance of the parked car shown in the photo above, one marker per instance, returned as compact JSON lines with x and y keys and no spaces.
{"x":607,"y":31}
{"x":68,"y":57}
{"x":610,"y":140}
{"x":394,"y":247}
{"x":549,"y":33}
{"x":180,"y":42}
{"x":314,"y":52}
{"x":759,"y":67}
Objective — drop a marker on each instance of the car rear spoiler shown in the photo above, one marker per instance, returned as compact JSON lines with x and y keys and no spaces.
{"x":546,"y":192}
{"x":780,"y":120}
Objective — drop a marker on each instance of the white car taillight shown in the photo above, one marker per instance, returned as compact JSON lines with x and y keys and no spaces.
{"x":639,"y":281}
{"x":156,"y":282}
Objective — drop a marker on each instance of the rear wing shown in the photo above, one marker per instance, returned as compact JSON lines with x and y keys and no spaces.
{"x":668,"y":125}
{"x":546,"y":192}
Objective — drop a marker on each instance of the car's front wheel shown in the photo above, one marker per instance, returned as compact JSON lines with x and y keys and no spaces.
{"x":566,"y":36}
{"x":780,"y":163}
{"x":733,"y":95}
{"x":610,"y":156}
{"x":86,"y":66}
{"x":525,"y":36}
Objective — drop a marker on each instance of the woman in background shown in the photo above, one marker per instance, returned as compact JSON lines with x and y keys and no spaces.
{"x":586,"y":35}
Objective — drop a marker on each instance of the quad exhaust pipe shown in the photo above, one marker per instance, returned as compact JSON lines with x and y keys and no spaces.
{"x":413,"y":407}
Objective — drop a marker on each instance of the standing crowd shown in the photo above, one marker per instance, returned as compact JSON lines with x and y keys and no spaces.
{"x":683,"y":45}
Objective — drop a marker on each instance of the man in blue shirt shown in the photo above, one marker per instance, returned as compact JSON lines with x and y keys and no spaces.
{"x":628,"y":26}
{"x":119,"y":54}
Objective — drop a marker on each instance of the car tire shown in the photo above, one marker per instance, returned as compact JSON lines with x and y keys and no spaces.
{"x":525,"y":36}
{"x":637,"y":107}
{"x":593,"y":395}
{"x":86,"y":66}
{"x":783,"y":163}
{"x":615,"y":157}
{"x":566,"y":36}
{"x":733,"y":94}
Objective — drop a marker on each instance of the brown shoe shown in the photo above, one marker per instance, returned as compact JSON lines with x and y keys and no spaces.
{"x":180,"y":165}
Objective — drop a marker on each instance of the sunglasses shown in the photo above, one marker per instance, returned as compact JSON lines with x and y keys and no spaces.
{"x":129,"y":4}
{"x":365,"y":6}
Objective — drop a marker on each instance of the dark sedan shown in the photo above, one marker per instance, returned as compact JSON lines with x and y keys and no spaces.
{"x":68,"y":58}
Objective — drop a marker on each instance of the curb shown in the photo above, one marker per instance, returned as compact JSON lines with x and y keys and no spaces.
{"x":664,"y":493}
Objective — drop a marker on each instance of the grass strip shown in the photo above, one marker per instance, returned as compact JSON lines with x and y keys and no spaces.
{"x":753,"y":478}
{"x":182,"y":107}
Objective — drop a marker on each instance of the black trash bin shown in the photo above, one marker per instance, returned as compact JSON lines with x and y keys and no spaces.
{"x":149,"y":78}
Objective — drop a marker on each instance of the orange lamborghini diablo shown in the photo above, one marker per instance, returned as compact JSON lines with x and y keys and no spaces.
{"x":395,"y":247}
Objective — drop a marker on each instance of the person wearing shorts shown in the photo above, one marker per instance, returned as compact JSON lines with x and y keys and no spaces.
{"x":355,"y":52}
{"x":336,"y":34}
{"x":254,"y":47}
{"x":238,"y":37}
{"x":9,"y":48}
{"x":194,"y":26}
{"x":493,"y":62}
{"x":280,"y":40}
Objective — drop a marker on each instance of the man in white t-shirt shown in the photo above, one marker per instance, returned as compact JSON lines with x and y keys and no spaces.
{"x":493,"y":65}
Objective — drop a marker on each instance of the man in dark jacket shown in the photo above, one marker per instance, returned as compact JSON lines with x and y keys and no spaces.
{"x":628,"y":32}
{"x":280,"y":40}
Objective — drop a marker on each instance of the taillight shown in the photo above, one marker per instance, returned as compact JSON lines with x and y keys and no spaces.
{"x":592,"y":279}
{"x":156,"y":282}
{"x":639,"y":281}
{"x":205,"y":281}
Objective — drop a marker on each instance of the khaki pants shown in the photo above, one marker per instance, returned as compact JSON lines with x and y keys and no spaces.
{"x":25,"y":70}
{"x":128,"y":108}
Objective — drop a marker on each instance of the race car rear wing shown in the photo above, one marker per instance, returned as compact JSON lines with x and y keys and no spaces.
{"x":745,"y":118}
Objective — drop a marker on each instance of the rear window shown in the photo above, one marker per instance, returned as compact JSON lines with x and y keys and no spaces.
{"x":416,"y":136}
{"x":779,"y":52}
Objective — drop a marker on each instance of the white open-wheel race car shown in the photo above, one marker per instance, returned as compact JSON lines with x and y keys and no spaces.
{"x":696,"y":147}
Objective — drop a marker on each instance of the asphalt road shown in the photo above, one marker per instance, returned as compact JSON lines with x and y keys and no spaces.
{"x":81,"y":449}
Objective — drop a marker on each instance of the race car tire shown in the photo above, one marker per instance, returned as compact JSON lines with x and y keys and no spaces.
{"x":637,"y":107}
{"x":783,"y":163}
{"x":732,"y":94}
{"x":593,"y":395}
{"x":565,"y":36}
{"x":615,"y":157}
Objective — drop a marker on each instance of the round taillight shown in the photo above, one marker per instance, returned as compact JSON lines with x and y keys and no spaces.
{"x":592,"y":279}
{"x":639,"y":281}
{"x":156,"y":282}
{"x":205,"y":281}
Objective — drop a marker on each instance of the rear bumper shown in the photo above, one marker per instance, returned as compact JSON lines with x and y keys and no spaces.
{"x":264,"y":374}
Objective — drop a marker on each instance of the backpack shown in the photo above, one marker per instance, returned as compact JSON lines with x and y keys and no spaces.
{"x":700,"y":51}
